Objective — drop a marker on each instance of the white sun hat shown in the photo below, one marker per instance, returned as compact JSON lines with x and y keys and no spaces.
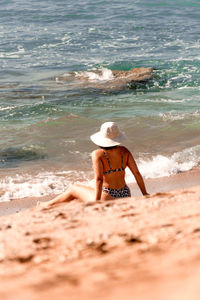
{"x":108,"y":136}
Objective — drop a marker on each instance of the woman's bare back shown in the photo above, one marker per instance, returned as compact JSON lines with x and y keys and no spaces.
{"x":114,"y":162}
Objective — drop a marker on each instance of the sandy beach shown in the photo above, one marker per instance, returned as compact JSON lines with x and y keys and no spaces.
{"x":140,"y":247}
{"x":67,"y":67}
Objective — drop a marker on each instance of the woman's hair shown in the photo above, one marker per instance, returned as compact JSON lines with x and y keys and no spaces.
{"x":107,"y":148}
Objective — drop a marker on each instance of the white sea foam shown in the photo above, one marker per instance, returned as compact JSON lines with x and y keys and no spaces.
{"x":49,"y":183}
{"x":173,"y":116}
{"x":6,"y":108}
{"x":160,"y":165}
{"x":163,"y":100}
{"x":45,"y":183}
{"x":14,"y":54}
{"x":104,"y":75}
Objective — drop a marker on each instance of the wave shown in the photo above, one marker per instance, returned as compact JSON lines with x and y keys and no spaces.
{"x":160,"y":165}
{"x":52,"y":183}
{"x":14,"y":54}
{"x":102,"y":75}
{"x":45,"y":183}
{"x":13,"y":155}
{"x":174,"y":116}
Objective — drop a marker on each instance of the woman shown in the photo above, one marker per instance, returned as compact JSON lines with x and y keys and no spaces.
{"x":109,"y":163}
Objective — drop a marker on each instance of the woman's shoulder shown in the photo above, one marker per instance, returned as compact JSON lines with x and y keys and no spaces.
{"x":97,"y":153}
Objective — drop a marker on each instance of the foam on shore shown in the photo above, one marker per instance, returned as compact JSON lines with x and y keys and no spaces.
{"x":154,"y":185}
{"x":51,"y":183}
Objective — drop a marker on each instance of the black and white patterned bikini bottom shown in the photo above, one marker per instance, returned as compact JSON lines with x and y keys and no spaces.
{"x":118,"y":193}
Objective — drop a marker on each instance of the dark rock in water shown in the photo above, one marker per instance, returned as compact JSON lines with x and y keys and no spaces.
{"x":107,"y":79}
{"x":135,"y":78}
{"x":135,"y":74}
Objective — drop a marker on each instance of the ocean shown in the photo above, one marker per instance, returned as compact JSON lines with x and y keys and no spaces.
{"x":56,"y":88}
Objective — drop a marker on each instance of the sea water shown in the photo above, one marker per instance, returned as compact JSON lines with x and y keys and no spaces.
{"x":56,"y":88}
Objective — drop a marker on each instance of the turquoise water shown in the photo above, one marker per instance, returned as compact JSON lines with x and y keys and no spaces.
{"x":47,"y":112}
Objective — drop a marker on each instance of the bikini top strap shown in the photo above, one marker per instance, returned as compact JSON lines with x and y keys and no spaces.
{"x":107,"y":160}
{"x":106,"y":155}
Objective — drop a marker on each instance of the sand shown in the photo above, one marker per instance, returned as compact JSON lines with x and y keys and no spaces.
{"x":134,"y":248}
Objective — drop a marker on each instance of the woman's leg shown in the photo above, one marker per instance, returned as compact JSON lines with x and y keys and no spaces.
{"x":79,"y":192}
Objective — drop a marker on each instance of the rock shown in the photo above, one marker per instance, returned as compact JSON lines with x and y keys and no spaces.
{"x":135,"y":74}
{"x":108,"y":79}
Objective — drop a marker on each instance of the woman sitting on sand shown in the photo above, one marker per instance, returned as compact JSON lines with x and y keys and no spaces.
{"x":109,"y":163}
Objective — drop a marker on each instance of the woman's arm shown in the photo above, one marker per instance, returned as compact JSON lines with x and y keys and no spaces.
{"x":134,"y":169}
{"x":98,"y":174}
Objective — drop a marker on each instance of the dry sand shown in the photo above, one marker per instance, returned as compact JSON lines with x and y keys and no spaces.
{"x":136,"y":248}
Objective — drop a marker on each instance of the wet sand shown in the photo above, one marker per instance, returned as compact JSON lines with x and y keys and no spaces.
{"x":136,"y":248}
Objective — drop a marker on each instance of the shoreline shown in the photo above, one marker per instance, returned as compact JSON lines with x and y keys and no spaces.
{"x":154,"y":185}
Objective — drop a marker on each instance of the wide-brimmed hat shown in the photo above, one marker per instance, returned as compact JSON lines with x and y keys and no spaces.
{"x":108,"y":136}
